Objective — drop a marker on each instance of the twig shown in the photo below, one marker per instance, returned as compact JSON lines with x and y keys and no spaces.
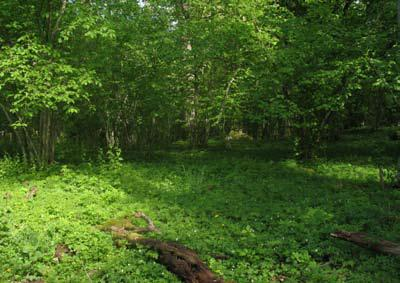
{"x":150,"y":224}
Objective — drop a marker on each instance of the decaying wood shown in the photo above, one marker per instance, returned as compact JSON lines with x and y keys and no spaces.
{"x":60,"y":251}
{"x":178,"y":259}
{"x":150,"y":225}
{"x":363,"y":240}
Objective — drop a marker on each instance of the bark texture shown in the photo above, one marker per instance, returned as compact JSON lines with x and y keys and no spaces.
{"x":178,"y":259}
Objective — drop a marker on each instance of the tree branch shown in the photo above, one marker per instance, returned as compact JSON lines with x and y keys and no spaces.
{"x":150,"y":224}
{"x":58,"y":22}
{"x":363,"y":240}
{"x":178,"y":259}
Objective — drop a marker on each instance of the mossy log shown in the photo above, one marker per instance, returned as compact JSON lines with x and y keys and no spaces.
{"x":178,"y":259}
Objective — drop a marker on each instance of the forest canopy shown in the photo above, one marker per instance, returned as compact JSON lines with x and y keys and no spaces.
{"x":142,"y":75}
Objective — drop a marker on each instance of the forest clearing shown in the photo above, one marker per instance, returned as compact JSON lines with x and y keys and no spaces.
{"x":199,"y":141}
{"x":251,"y":213}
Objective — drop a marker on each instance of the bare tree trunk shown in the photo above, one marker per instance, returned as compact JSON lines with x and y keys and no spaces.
{"x":53,"y":137}
{"x":110,"y":135}
{"x":47,"y":137}
{"x":33,"y":153}
{"x":222,"y":115}
{"x":198,"y":124}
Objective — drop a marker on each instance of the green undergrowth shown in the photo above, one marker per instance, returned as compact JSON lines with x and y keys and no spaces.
{"x":271,"y":216}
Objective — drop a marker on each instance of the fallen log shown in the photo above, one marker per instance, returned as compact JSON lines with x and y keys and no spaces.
{"x":178,"y":259}
{"x":365,"y":241}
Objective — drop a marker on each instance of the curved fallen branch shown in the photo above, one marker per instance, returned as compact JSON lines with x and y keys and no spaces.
{"x":178,"y":259}
{"x":363,"y":240}
{"x":150,"y":225}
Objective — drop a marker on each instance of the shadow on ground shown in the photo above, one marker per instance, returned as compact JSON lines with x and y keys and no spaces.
{"x":268,"y":211}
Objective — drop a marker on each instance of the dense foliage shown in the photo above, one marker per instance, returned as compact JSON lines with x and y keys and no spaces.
{"x":140,"y":75}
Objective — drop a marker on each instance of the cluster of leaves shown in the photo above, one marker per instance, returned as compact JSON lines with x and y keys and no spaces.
{"x":33,"y":77}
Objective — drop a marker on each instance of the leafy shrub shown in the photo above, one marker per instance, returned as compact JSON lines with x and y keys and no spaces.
{"x":11,"y":167}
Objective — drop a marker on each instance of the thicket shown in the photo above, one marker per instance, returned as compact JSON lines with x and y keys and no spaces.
{"x":80,"y":76}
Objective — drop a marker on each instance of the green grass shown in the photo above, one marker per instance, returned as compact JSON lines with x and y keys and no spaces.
{"x":271,"y":215}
